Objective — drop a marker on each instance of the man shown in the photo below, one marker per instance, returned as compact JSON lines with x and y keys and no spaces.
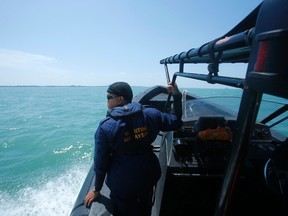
{"x":123,"y":150}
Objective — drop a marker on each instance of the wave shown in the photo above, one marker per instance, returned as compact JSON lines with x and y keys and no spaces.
{"x":54,"y":196}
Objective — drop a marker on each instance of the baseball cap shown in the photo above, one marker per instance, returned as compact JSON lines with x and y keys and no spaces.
{"x":121,"y":89}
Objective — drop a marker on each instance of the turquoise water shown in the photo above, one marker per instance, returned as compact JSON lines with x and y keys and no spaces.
{"x":46,"y":145}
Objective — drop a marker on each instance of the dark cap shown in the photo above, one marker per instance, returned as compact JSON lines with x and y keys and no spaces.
{"x":121,"y":89}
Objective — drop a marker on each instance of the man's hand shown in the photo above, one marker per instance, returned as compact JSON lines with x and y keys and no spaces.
{"x":173,"y":89}
{"x":90,"y":197}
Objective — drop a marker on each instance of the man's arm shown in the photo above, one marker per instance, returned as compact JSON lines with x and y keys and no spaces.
{"x":177,"y":99}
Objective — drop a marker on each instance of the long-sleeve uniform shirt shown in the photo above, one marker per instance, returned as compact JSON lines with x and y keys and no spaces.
{"x":123,"y":149}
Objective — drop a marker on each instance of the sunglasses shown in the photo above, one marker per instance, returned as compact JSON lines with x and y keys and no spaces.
{"x":111,"y":97}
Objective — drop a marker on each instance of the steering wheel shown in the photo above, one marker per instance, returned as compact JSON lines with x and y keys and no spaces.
{"x":276,"y":178}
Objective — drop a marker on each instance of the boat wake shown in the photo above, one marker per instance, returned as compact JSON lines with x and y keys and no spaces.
{"x":55,"y":196}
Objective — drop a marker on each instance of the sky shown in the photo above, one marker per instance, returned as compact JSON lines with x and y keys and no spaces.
{"x":96,"y":43}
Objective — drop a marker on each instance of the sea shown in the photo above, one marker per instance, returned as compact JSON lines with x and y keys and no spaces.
{"x":47,"y":142}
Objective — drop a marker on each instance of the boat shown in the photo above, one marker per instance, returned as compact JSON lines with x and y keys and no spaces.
{"x":223,"y":161}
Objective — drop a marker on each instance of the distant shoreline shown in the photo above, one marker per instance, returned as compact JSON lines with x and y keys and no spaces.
{"x":83,"y":86}
{"x":12,"y":86}
{"x":47,"y":86}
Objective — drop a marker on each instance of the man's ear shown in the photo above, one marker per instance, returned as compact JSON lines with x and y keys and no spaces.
{"x":121,"y":100}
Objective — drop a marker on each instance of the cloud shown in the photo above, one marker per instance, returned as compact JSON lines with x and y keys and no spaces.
{"x":24,"y":68}
{"x":14,"y":59}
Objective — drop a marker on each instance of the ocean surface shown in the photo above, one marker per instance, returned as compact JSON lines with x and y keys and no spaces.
{"x":47,"y":142}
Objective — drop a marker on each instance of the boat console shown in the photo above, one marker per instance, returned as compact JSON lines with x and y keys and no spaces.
{"x":203,"y":145}
{"x":214,"y":152}
{"x":193,"y":167}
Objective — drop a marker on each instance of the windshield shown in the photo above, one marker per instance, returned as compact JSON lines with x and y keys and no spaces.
{"x":269,"y":105}
{"x":228,"y":106}
{"x":210,"y":106}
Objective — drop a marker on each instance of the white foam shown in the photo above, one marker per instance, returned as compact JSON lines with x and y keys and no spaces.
{"x":51,"y":197}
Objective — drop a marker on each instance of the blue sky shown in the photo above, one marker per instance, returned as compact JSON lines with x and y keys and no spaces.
{"x":92,"y":42}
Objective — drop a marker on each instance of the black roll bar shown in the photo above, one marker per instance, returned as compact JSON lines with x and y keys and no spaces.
{"x":235,"y":48}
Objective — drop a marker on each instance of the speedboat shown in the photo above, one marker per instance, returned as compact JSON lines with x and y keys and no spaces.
{"x":229,"y":158}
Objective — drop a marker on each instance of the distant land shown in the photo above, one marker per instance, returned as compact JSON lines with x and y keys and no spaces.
{"x":47,"y":86}
{"x":59,"y":86}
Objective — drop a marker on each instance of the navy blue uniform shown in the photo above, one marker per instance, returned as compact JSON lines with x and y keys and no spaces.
{"x":123,"y":151}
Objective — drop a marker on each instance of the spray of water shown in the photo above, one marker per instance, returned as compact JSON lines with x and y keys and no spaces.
{"x":48,"y":197}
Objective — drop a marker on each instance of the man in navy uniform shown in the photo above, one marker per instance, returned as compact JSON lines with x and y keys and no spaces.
{"x":123,"y":150}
